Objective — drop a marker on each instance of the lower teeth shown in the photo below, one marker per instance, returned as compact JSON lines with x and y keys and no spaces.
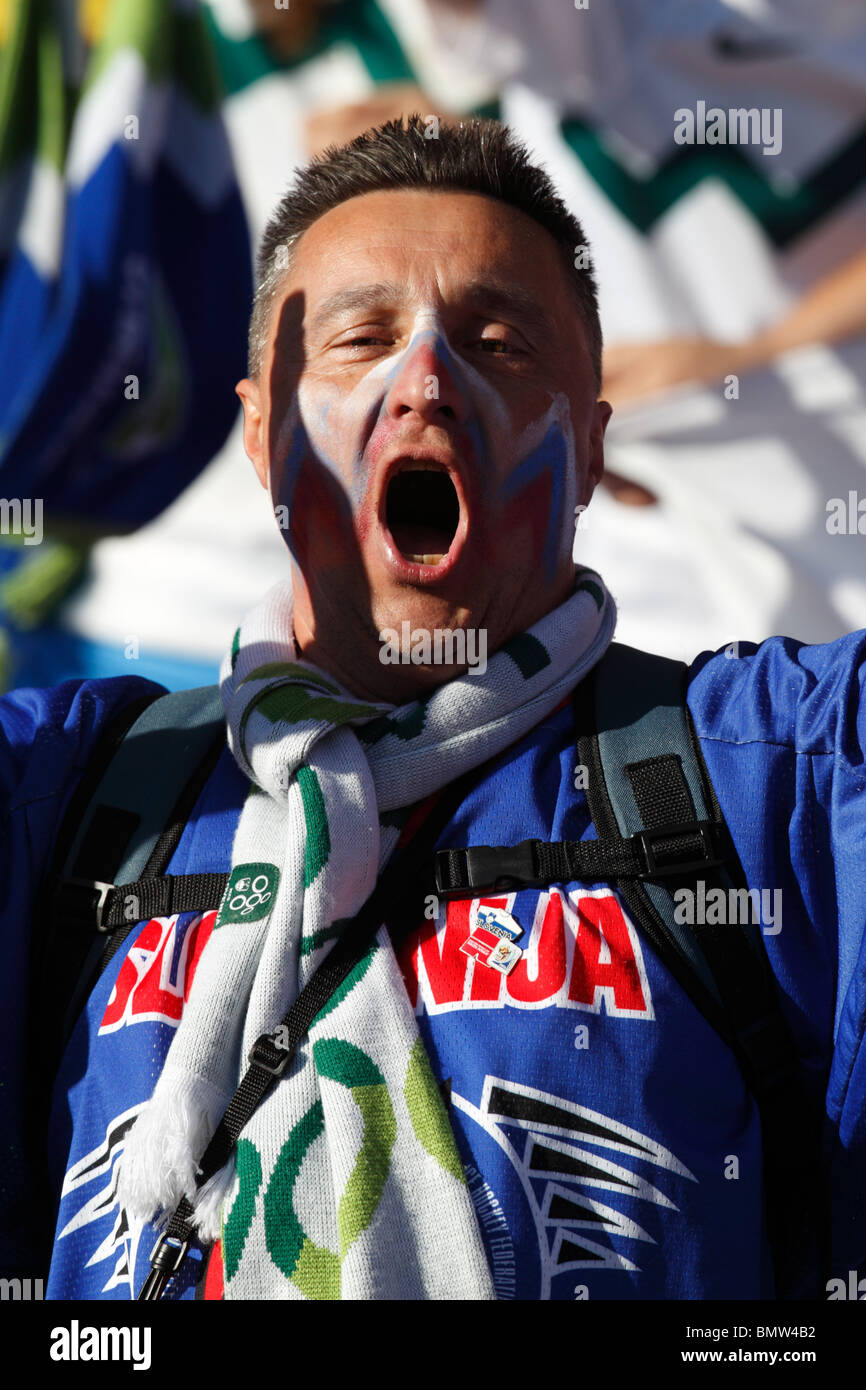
{"x":424,"y":559}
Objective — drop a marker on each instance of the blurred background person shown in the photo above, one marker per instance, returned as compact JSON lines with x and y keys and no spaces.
{"x":119,"y":218}
{"x":733,"y":267}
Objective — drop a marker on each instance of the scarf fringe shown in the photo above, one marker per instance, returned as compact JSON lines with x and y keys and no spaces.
{"x":157,"y":1167}
{"x":212,"y":1197}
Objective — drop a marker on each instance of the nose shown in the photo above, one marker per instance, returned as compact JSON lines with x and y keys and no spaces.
{"x":428,"y":382}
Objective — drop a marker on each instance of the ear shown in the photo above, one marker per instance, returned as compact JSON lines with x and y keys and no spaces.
{"x":595,"y":463}
{"x":254,"y":438}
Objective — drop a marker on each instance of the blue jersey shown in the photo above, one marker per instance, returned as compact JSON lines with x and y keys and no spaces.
{"x":611,"y":1145}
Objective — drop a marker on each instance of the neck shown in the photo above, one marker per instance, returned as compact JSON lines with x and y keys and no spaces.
{"x":359,"y":669}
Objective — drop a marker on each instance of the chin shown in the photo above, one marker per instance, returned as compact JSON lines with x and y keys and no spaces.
{"x":420,"y":608}
{"x":423,"y":644}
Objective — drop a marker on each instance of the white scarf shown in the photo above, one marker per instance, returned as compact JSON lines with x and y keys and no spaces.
{"x":347,"y":1181}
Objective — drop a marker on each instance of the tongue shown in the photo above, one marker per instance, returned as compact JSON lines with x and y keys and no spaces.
{"x":417,"y":540}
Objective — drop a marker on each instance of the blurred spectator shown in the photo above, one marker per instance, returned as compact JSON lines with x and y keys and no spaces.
{"x":117,"y":360}
{"x":833,"y":310}
{"x":715,"y":261}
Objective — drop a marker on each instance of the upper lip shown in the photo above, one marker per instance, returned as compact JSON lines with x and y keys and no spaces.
{"x":419,"y":453}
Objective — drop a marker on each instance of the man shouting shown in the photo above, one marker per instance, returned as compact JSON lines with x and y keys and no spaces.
{"x":535,"y":1081}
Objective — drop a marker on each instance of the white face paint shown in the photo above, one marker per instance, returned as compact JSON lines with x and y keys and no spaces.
{"x":345,"y":431}
{"x":338,"y":424}
{"x":428,"y":330}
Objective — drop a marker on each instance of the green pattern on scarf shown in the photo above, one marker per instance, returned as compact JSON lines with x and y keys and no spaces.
{"x":348,"y":1065}
{"x":317,"y":1272}
{"x":240,"y":1218}
{"x":292,"y":671}
{"x":353,"y":977}
{"x":292,"y":704}
{"x":318,"y":939}
{"x":318,"y":844}
{"x":406,"y":727}
{"x":528,"y":654}
{"x":428,"y":1114}
{"x":344,"y":1062}
{"x":587,"y":586}
{"x":315,"y":1269}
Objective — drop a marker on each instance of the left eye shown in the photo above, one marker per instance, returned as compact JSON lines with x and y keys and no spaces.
{"x":497,"y":346}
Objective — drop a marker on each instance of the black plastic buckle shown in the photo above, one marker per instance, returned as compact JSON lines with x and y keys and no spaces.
{"x":715,"y":847}
{"x":485,"y":869}
{"x":92,"y":886}
{"x":168,"y":1255}
{"x":266,"y":1053}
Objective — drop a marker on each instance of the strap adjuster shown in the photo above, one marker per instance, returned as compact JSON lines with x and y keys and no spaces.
{"x":715,"y":845}
{"x":168,"y":1254}
{"x":89,"y":909}
{"x":268,"y":1055}
{"x":484,"y":869}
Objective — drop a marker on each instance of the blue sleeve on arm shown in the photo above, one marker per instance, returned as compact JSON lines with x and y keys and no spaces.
{"x":783,"y":731}
{"x":46,"y":738}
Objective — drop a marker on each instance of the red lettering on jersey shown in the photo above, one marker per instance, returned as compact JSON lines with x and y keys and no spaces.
{"x":443,"y":961}
{"x":129,"y":974}
{"x":607,"y":971}
{"x":155,"y":994}
{"x":213,"y":1280}
{"x":144,"y":989}
{"x":601,"y":922}
{"x":551,"y":960}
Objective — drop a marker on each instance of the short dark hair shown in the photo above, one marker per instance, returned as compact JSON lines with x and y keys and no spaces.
{"x":474,"y":156}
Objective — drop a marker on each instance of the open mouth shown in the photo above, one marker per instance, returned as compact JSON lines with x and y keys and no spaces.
{"x":422,"y":511}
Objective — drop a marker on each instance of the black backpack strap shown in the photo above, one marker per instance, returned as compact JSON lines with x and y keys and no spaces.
{"x":645,"y":776}
{"x":646,"y":772}
{"x":120,"y":831}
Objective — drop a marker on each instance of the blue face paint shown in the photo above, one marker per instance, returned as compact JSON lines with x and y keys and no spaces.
{"x":335,"y":427}
{"x":339,"y":423}
{"x":324,"y":451}
{"x":552,"y":456}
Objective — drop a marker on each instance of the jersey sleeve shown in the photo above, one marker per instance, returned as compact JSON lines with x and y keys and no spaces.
{"x":783,"y":730}
{"x":46,"y":738}
{"x":782,"y":727}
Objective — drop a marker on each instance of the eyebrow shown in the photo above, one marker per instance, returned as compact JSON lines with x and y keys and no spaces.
{"x":482,"y":296}
{"x":376,"y":296}
{"x":509,"y":301}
